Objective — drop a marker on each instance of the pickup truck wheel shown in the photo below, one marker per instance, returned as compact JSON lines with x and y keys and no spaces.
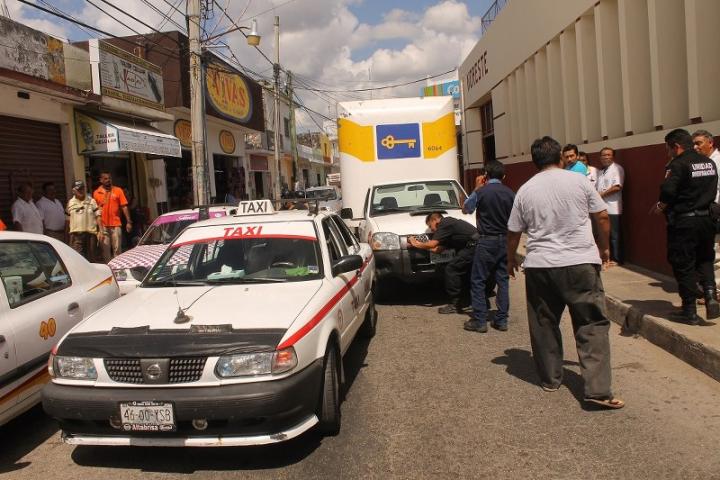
{"x":369,"y":325}
{"x":329,"y":409}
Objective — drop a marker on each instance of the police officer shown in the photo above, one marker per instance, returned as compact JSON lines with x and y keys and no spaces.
{"x":493,"y":204}
{"x":685,"y":197}
{"x":459,"y":235}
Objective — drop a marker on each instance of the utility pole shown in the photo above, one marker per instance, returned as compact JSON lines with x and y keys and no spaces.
{"x":197,"y":110}
{"x":276,"y":78}
{"x":293,"y":129}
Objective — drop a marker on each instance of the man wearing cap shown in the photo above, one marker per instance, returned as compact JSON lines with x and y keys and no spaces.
{"x":85,"y":221}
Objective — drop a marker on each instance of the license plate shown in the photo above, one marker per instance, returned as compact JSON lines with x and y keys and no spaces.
{"x":147,"y":416}
{"x":443,"y":257}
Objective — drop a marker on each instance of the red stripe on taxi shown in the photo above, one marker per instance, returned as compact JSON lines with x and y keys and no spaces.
{"x":305,"y":329}
{"x":39,"y":378}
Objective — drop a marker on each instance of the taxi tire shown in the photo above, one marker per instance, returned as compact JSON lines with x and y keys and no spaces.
{"x":329,"y":408}
{"x":369,"y":325}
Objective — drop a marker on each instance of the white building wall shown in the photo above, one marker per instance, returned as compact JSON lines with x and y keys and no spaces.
{"x":591,"y":72}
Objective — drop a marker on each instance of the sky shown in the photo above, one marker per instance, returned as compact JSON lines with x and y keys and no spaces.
{"x":330,"y":45}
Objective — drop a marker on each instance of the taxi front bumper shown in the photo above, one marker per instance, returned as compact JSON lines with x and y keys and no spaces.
{"x":241,"y":414}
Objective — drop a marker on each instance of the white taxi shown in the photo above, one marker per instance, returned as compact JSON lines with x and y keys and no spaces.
{"x":235,"y":337}
{"x":47,"y":288}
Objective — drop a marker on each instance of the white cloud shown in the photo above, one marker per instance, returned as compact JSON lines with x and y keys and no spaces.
{"x":319,"y":40}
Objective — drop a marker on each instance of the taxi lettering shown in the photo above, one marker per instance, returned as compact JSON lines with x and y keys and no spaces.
{"x":243,"y":231}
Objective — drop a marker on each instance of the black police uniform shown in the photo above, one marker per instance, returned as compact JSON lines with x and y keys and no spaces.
{"x":460,"y":236}
{"x":688,"y":190}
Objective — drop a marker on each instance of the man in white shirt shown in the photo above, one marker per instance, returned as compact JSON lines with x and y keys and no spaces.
{"x":26,"y":217}
{"x":705,"y":145}
{"x":609,"y":185}
{"x":53,"y":213}
{"x":562,"y":268}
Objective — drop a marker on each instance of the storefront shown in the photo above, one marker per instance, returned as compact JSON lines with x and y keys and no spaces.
{"x":260,"y":186}
{"x":126,"y":151}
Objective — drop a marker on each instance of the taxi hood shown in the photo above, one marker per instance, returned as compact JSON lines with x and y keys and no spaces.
{"x":403,"y":223}
{"x":143,"y":323}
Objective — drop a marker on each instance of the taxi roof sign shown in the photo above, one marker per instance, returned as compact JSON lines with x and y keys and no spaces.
{"x":255,"y":207}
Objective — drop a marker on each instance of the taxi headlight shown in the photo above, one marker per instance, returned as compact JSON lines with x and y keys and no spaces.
{"x":120,"y":275}
{"x":385,"y":241}
{"x":78,"y":368}
{"x":249,"y":364}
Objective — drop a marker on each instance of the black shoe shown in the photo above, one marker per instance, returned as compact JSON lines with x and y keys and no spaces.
{"x":502,"y":327}
{"x":687,"y":318}
{"x":475,"y":326}
{"x":712,"y":307}
{"x":449,"y":308}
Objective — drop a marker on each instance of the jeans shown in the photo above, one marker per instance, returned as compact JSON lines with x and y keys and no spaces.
{"x":616,"y":253}
{"x":549,"y":291}
{"x":490,"y":255}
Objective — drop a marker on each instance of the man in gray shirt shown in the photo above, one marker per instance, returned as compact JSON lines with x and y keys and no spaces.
{"x":562,"y":268}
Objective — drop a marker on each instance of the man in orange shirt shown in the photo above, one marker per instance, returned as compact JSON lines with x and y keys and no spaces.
{"x":111,"y":201}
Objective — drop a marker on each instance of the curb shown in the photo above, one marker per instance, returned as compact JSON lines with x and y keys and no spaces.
{"x":655,"y":330}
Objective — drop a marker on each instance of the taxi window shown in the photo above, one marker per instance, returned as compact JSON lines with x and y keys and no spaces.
{"x":350,"y":241}
{"x":238,"y":260}
{"x":336,"y":247}
{"x":30,"y":270}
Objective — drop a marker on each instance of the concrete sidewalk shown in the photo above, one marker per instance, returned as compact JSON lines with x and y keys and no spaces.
{"x":640,"y":301}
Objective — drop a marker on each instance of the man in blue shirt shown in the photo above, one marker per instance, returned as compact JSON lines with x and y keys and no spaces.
{"x":571,"y":160}
{"x":493,"y":204}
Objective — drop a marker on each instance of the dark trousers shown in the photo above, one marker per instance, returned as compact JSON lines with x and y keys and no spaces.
{"x":616,"y":253}
{"x":549,"y":291}
{"x":490,"y":267}
{"x":84,"y":244}
{"x":691,"y":253}
{"x":457,"y":272}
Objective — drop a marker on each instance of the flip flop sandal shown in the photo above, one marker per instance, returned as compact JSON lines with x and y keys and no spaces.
{"x":613,"y":403}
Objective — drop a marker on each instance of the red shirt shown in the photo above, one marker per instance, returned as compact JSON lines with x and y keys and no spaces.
{"x":110,"y":202}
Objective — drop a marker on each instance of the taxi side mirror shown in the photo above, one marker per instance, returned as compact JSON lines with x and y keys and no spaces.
{"x":348,"y":263}
{"x":346,"y":213}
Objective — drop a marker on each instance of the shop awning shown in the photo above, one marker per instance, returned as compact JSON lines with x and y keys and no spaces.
{"x":101,"y":135}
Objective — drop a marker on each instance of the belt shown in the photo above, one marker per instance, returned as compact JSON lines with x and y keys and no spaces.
{"x":695,"y":213}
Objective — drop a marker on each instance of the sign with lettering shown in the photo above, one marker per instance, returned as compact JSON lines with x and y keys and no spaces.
{"x":227,"y":141}
{"x":477,"y":71}
{"x":234,"y":97}
{"x":183,"y":132}
{"x":122,"y":75}
{"x":255,"y":207}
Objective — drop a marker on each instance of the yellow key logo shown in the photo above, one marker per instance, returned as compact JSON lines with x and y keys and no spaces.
{"x":389,"y":142}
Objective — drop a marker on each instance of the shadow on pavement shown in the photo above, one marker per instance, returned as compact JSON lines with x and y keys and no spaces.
{"x":519,"y":363}
{"x":22,"y":435}
{"x":185,"y":461}
{"x":656,"y":308}
{"x":428,"y":294}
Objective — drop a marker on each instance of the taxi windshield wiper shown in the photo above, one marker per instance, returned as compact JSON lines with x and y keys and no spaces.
{"x":179,"y":283}
{"x":255,"y":280}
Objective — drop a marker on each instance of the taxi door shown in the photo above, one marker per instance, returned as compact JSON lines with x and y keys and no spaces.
{"x":47,"y":306}
{"x":345,"y":310}
{"x":361,"y":289}
{"x":8,"y":363}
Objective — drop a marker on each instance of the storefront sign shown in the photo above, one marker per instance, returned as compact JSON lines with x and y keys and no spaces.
{"x":477,"y":71}
{"x":233,"y":97}
{"x":227,"y":141}
{"x":183,"y":132}
{"x":96,"y":135}
{"x":122,"y":75}
{"x":451,"y":88}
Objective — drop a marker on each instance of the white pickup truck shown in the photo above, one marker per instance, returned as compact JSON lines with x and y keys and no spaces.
{"x":399,"y":163}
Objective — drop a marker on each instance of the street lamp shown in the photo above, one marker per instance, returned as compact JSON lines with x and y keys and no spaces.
{"x":253,"y":38}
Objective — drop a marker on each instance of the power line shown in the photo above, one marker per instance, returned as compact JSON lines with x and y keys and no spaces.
{"x":267,"y":11}
{"x":166,"y":18}
{"x":370,"y":89}
{"x":167,"y":15}
{"x":241,"y":31}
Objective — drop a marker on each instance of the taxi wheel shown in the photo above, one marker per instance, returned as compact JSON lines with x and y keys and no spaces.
{"x":369,"y":325}
{"x":329,"y":411}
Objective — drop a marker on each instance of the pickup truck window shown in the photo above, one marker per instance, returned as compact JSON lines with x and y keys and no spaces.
{"x":415,"y":196}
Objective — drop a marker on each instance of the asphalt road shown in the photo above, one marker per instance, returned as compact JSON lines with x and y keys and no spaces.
{"x":429,"y":400}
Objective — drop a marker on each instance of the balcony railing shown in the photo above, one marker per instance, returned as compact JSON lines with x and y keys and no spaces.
{"x":491,"y":13}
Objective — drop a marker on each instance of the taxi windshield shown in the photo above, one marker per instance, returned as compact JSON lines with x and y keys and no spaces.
{"x":237,"y":260}
{"x":164,"y":233}
{"x":415,"y":196}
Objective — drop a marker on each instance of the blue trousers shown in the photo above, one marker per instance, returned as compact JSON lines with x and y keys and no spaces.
{"x":490,"y":257}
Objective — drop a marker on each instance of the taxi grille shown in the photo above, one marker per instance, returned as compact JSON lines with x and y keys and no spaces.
{"x":129,"y":370}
